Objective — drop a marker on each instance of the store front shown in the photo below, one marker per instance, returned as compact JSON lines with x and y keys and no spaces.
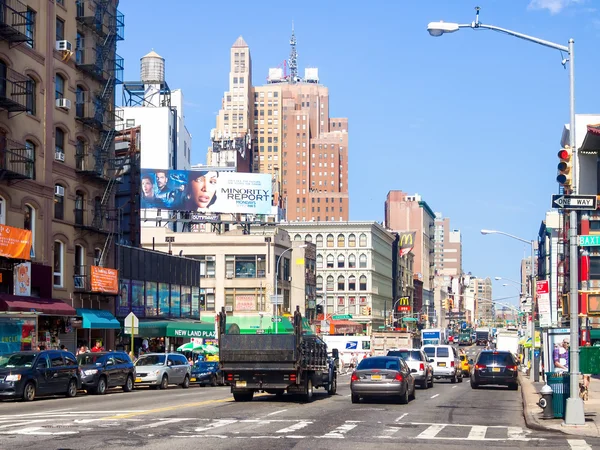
{"x":167,"y":335}
{"x":93,"y":325}
{"x":18,"y":332}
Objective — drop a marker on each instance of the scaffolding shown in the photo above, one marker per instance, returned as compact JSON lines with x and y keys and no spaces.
{"x":95,"y":55}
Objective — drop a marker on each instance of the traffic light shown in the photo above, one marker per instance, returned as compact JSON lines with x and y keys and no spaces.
{"x":368,"y":310}
{"x":445,"y":304}
{"x":564,"y":166}
{"x":450,"y":304}
{"x":319,"y":309}
{"x":363,"y":310}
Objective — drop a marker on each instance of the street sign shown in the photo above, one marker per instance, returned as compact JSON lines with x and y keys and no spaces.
{"x":342,"y":317}
{"x":582,"y":202}
{"x":275,"y":319}
{"x":277,"y":299}
{"x":589,"y":241}
{"x":131,"y":321}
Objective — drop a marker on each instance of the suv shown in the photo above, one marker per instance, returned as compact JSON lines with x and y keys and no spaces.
{"x":417,"y":360}
{"x":495,"y":367}
{"x":162,"y":369}
{"x":29,"y":374}
{"x":103,"y":370}
{"x":444,"y":359}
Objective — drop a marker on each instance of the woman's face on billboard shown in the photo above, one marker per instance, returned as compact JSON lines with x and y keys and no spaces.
{"x":203,"y":189}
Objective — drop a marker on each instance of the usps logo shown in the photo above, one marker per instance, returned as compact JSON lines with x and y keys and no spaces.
{"x":352,"y":345}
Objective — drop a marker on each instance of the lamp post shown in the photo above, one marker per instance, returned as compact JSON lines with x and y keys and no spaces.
{"x":275,"y":305}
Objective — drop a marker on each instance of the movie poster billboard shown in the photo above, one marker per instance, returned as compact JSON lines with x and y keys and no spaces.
{"x":17,"y":334}
{"x":164,"y":301}
{"x":151,"y":298}
{"x":123,"y":299}
{"x":206,"y":191}
{"x":175,"y":300}
{"x":137,"y":298}
{"x":186,"y":301}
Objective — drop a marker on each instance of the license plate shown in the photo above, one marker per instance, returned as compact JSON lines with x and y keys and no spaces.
{"x":138,"y":380}
{"x":496,"y":369}
{"x":441,"y":364}
{"x":192,"y":379}
{"x":240,"y":384}
{"x":375,"y":377}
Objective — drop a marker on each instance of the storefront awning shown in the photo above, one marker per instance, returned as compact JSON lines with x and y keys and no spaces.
{"x":96,"y":319}
{"x":168,"y":328}
{"x":595,"y":333}
{"x":49,"y":306}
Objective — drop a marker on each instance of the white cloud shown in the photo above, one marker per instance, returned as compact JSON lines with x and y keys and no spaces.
{"x":554,"y":6}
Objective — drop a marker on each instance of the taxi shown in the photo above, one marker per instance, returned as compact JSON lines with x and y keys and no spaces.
{"x":465,"y":366}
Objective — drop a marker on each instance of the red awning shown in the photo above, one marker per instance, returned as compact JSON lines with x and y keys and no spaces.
{"x":50,"y":306}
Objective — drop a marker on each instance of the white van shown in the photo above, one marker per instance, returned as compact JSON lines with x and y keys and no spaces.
{"x":446,"y":363}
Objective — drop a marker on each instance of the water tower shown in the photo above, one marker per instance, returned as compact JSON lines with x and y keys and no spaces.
{"x":152,"y":75}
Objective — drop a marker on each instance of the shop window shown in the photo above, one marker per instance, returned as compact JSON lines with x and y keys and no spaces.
{"x":341,"y":283}
{"x":330,"y":283}
{"x":352,"y":261}
{"x":319,"y":241}
{"x":362,"y":240}
{"x":362,"y":261}
{"x":59,"y":249}
{"x":29,"y":224}
{"x":351,"y":283}
{"x":319,"y":261}
{"x":341,"y":262}
{"x":330,"y":261}
{"x":319,"y":283}
{"x":330,"y":240}
{"x":341,"y":240}
{"x":362,"y":283}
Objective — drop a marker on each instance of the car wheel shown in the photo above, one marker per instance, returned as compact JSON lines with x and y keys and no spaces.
{"x":460,"y":378}
{"x":474,"y":385}
{"x":29,"y":392}
{"x":308,"y":390}
{"x":72,"y":388}
{"x":404,"y":397}
{"x":355,"y":398}
{"x":164,"y":383}
{"x":213,"y":381}
{"x":243,"y":396}
{"x":453,"y":379}
{"x":128,"y":386}
{"x":413,"y":396}
{"x":186,"y":382}
{"x":431,"y":381}
{"x":513,"y":387}
{"x":332,"y":386}
{"x":101,"y":387}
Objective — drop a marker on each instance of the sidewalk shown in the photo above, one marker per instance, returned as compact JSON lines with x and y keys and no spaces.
{"x":533,"y":413}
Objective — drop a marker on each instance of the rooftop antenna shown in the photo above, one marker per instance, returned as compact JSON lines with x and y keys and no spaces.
{"x":293,"y":62}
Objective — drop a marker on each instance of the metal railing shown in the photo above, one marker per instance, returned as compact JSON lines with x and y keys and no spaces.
{"x":16,"y":23}
{"x":16,"y":160}
{"x":15,"y":91}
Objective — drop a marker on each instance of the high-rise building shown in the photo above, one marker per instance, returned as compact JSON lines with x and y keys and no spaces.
{"x":480,"y":293}
{"x":448,"y":248}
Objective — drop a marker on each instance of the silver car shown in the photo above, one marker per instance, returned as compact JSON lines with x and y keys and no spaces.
{"x":162,"y":369}
{"x":416,"y":359}
{"x":382,"y":376}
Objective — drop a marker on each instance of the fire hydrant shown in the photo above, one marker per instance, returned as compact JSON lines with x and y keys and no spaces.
{"x":546,"y":402}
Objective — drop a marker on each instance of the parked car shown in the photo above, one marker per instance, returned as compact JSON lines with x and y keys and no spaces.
{"x":416,"y":359}
{"x":382,"y":376}
{"x":495,"y":367}
{"x":446,"y":363}
{"x":162,"y":369}
{"x":206,"y":372}
{"x":103,"y":370}
{"x":27,"y":375}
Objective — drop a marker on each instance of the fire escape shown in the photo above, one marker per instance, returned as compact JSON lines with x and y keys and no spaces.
{"x":101,"y":26}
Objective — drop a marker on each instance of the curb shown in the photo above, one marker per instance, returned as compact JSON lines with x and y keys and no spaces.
{"x":530,"y":419}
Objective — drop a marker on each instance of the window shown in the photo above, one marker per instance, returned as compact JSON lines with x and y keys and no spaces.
{"x":341,"y":283}
{"x":341,"y":261}
{"x":319,"y":261}
{"x":362,"y":261}
{"x":29,"y":27}
{"x":308,"y":238}
{"x":79,"y":40}
{"x":245,"y":266}
{"x":351,"y":283}
{"x":352,"y":240}
{"x":352,"y":261}
{"x":97,"y":256}
{"x":207,"y":265}
{"x":30,"y":159}
{"x":362,"y":283}
{"x":330,"y":261}
{"x":59,"y":202}
{"x":59,"y":86}
{"x":80,"y":102}
{"x":319,"y":242}
{"x":79,"y":268}
{"x":362,"y":240}
{"x":330,"y":240}
{"x":341,"y":240}
{"x":79,"y":207}
{"x":330,"y":283}
{"x":319,"y":283}
{"x":60,"y":29}
{"x":59,"y":139}
{"x":30,"y":98}
{"x":58,"y":263}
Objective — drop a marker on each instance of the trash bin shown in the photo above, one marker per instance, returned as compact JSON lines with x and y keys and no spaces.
{"x":560,"y":384}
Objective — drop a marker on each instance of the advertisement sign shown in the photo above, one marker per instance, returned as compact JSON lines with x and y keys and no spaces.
{"x":245,"y":303}
{"x":22,"y":279}
{"x":403,"y":304}
{"x":164,"y":300}
{"x":123,"y":299}
{"x":104,"y":280}
{"x":15,"y":242}
{"x":151,"y":298}
{"x":137,"y":298}
{"x":407,"y":242}
{"x":553,"y":338}
{"x":17,"y":334}
{"x":543,"y":298}
{"x":206,"y":191}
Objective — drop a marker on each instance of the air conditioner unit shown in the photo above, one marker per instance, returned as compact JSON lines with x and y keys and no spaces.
{"x":229,"y":308}
{"x":59,"y":191}
{"x":59,"y":156}
{"x":63,"y":103}
{"x":64,"y":46}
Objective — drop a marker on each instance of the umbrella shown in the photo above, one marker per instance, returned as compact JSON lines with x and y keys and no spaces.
{"x":186,"y":347}
{"x":211,"y":349}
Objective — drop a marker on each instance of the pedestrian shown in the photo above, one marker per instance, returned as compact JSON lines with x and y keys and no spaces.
{"x":98,"y":347}
{"x":62,"y":347}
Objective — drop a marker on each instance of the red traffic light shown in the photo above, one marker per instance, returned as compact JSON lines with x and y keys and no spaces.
{"x":564,"y":154}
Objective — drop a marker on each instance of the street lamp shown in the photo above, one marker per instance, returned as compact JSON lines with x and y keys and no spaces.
{"x":276,"y":315}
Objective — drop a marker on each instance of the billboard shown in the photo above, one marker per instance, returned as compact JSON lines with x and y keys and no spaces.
{"x":407,"y":242}
{"x":15,"y":242}
{"x":206,"y":191}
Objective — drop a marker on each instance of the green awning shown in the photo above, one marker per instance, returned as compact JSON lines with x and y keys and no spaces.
{"x":595,"y":333}
{"x":174,"y":328}
{"x":409,"y":319}
{"x":98,"y":319}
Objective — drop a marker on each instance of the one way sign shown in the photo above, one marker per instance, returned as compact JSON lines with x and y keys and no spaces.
{"x":583,"y":202}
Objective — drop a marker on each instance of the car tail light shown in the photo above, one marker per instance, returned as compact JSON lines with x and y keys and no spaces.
{"x":421,"y":367}
{"x":451,"y":363}
{"x":398,"y":377}
{"x":513,"y":368}
{"x":229,"y":377}
{"x":293,"y":377}
{"x":480,"y":366}
{"x":354,"y":377}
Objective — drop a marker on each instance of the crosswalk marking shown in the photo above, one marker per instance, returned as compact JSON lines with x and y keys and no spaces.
{"x":216,"y":424}
{"x":340,"y":431}
{"x":294,"y":427}
{"x":431,"y":431}
{"x":388,"y":433}
{"x":578,"y":444}
{"x":158,"y":423}
{"x":477,"y":433}
{"x":517,"y":434}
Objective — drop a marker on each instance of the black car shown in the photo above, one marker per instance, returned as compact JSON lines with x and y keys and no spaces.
{"x":29,"y":374}
{"x":495,"y":367}
{"x":103,"y":370}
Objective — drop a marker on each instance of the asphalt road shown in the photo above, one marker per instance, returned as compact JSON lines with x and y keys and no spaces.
{"x":452,"y":415}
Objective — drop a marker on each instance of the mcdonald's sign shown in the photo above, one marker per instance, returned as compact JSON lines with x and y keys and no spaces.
{"x":407,"y":242}
{"x":403,"y":304}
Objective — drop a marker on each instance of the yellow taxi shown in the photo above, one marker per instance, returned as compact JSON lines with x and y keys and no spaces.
{"x":464,"y":365}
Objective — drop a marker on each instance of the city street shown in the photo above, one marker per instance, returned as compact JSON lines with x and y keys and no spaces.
{"x":450,"y":414}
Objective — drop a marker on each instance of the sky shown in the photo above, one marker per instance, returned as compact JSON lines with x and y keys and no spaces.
{"x":471,"y":120}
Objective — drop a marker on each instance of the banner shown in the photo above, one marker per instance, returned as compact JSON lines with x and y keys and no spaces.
{"x":22,"y":279}
{"x":206,"y":191}
{"x":407,"y":242}
{"x":15,"y":243}
{"x":104,"y":280}
{"x":543,"y":300}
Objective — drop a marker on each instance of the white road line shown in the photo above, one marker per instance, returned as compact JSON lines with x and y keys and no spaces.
{"x":276,"y":412}
{"x":157,"y":423}
{"x":22,"y":422}
{"x":436,"y":395}
{"x":388,"y":432}
{"x":69,"y":413}
{"x":216,"y":424}
{"x":431,"y":431}
{"x":578,"y":444}
{"x":340,"y":431}
{"x":38,"y":431}
{"x":401,"y":417}
{"x":295,"y":427}
{"x":517,"y":434}
{"x":477,"y":433}
{"x":454,"y":387}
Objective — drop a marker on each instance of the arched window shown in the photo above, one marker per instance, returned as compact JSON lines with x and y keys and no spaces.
{"x":80,"y":101}
{"x":319,"y":261}
{"x":351,"y":283}
{"x":362,"y":240}
{"x":362,"y":261}
{"x":79,"y":269}
{"x":31,"y":99}
{"x":308,"y":238}
{"x":330,"y":261}
{"x":97,"y":256}
{"x":29,"y":224}
{"x":59,"y":202}
{"x":59,"y":86}
{"x":341,"y":283}
{"x":319,"y":283}
{"x":352,"y":261}
{"x":297,"y":237}
{"x":319,"y":242}
{"x":341,"y":261}
{"x":330,"y":283}
{"x":330,"y":240}
{"x":352,"y":240}
{"x":341,"y":240}
{"x":79,"y":207}
{"x":30,"y":159}
{"x":59,"y":250}
{"x":59,"y":141}
{"x":362,"y":283}
{"x":80,"y":153}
